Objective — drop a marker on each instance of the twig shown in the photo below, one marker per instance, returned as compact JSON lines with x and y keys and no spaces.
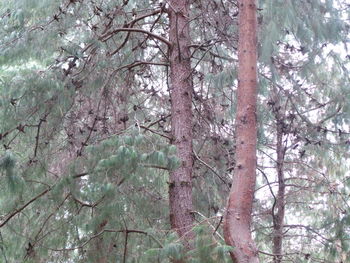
{"x":110,"y":34}
{"x":217,"y":227}
{"x":155,"y":132}
{"x":210,"y":168}
{"x":103,"y":231}
{"x":207,"y":220}
{"x":311,"y":230}
{"x":272,"y":193}
{"x":36,"y":238}
{"x":23,"y":207}
{"x":87,"y":204}
{"x":157,"y":121}
{"x":37,"y":135}
{"x":155,"y":166}
{"x":125,"y":246}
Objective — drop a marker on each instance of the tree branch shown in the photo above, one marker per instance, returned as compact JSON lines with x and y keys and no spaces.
{"x":102,"y":232}
{"x":108,"y":35}
{"x":23,"y":207}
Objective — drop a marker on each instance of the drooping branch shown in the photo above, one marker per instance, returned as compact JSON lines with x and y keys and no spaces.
{"x":101,"y":233}
{"x":18,"y":210}
{"x":211,"y":169}
{"x":131,"y":24}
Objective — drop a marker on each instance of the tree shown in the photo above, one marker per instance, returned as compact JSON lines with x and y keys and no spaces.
{"x":238,"y":216}
{"x":294,"y":79}
{"x":87,"y":91}
{"x":181,"y":90}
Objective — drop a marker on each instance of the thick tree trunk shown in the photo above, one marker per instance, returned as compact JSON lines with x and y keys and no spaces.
{"x":239,"y":208}
{"x":180,"y":186}
{"x":278,"y":209}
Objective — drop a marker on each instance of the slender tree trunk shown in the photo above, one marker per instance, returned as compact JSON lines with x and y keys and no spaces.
{"x":98,"y":249}
{"x":239,"y":208}
{"x":180,"y":186}
{"x":278,"y":209}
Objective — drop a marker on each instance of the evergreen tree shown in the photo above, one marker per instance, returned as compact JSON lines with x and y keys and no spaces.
{"x":239,"y":209}
{"x":88,"y":148}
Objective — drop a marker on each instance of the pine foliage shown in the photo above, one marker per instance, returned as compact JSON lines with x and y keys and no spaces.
{"x":85,"y":133}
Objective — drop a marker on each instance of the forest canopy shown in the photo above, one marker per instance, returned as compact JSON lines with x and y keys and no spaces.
{"x":174,"y":131}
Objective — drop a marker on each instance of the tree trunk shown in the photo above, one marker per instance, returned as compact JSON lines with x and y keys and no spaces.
{"x":97,"y":252}
{"x":180,"y":186}
{"x":279,"y":206}
{"x":239,"y":208}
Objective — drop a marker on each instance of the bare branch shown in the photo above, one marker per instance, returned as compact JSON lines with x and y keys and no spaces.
{"x":108,"y":35}
{"x":102,"y":232}
{"x":23,"y":207}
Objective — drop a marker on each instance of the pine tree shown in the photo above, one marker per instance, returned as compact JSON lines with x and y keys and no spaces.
{"x":86,"y":133}
{"x":238,"y":216}
{"x":181,"y":89}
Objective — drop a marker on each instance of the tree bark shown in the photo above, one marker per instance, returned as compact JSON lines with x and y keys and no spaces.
{"x":279,"y":205}
{"x":180,"y":186}
{"x":239,"y":208}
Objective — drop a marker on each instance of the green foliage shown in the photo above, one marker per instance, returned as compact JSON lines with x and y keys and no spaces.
{"x":97,"y":134}
{"x":207,"y":249}
{"x":8,"y":165}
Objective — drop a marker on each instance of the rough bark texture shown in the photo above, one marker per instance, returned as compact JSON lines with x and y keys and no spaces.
{"x":180,"y":186}
{"x":239,"y":208}
{"x":279,"y":206}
